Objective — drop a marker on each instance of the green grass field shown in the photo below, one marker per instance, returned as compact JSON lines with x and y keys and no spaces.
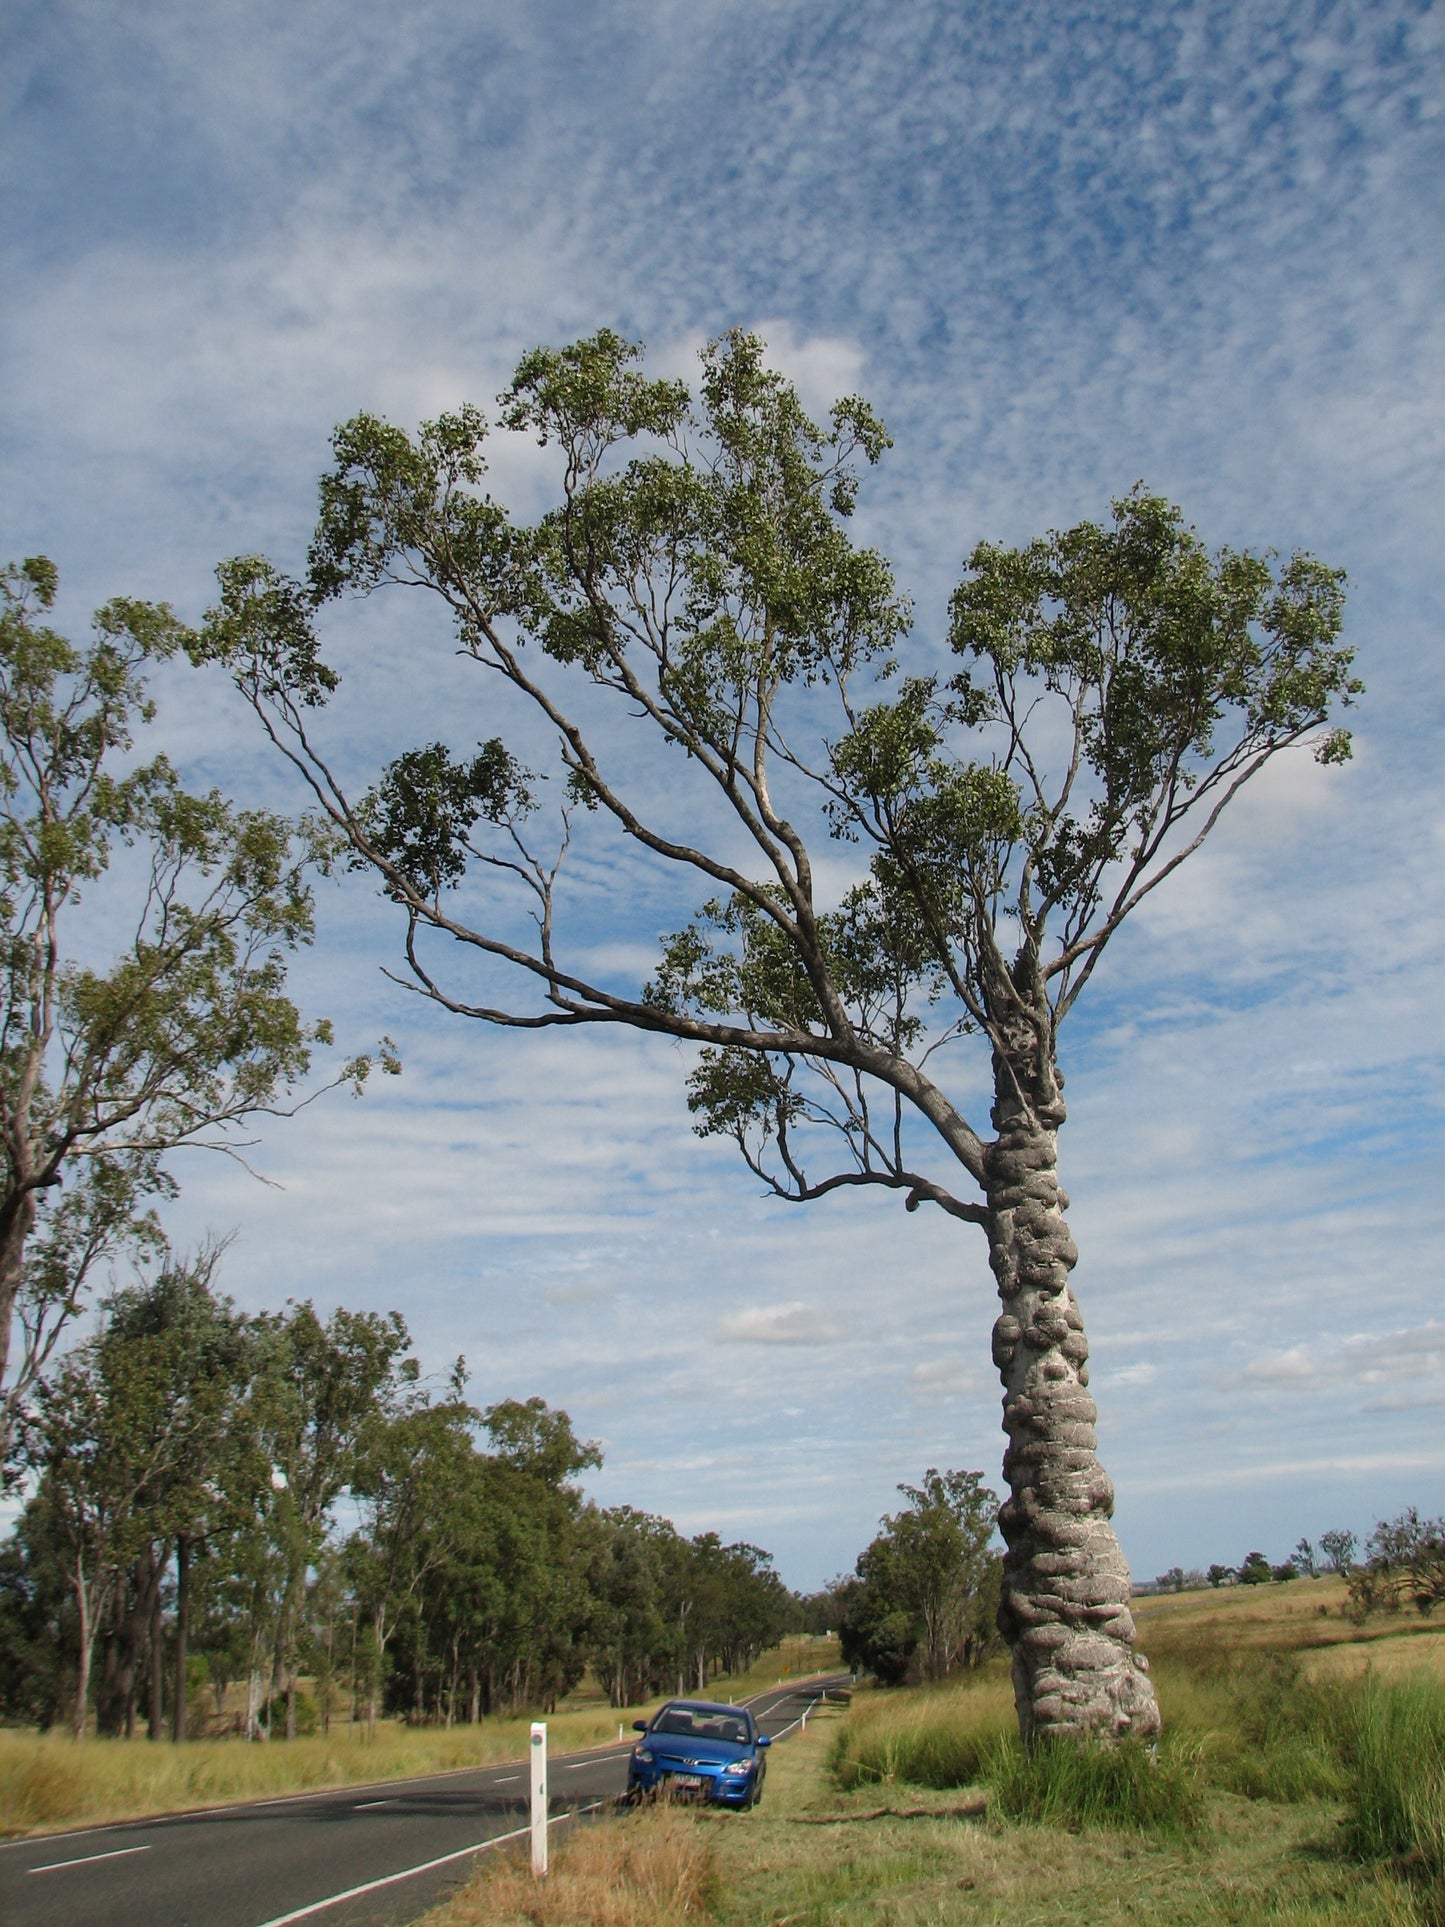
{"x":1301,"y":1780}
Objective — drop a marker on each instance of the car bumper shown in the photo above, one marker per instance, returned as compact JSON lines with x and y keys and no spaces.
{"x":722,"y":1789}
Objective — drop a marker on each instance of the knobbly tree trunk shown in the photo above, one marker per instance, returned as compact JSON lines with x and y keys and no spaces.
{"x":1065,"y":1609}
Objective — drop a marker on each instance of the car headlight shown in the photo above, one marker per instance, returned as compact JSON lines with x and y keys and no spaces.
{"x":738,"y":1766}
{"x":642,"y":1755}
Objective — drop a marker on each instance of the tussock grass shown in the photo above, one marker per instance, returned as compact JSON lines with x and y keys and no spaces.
{"x":1128,"y":1786}
{"x":652,"y":1868}
{"x":1395,"y":1744}
{"x":966,"y":1736}
{"x":933,"y":1737}
{"x":1271,"y":1733}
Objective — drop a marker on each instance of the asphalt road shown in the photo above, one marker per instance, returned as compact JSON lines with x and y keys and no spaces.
{"x":355,"y":1857}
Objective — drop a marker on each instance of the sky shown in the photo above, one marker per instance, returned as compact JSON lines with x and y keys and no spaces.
{"x":1061,"y":249}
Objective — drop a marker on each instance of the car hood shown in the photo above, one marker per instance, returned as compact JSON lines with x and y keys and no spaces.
{"x":680,"y":1749}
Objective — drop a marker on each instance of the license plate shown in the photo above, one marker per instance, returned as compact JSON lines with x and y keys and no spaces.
{"x":688,"y":1781}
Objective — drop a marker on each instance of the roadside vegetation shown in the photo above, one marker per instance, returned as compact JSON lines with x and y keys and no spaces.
{"x":1301,"y":1779}
{"x":224,"y":1506}
{"x":47,"y":1781}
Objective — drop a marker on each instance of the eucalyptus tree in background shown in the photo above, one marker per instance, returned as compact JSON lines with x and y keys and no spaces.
{"x":1339,"y":1547}
{"x":322,"y":1393}
{"x":412,"y":1481}
{"x":720,"y":673}
{"x":123,"y":1438}
{"x":924,"y":1592}
{"x":139,"y":1011}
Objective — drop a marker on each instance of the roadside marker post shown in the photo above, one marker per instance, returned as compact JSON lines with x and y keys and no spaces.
{"x":539,"y":1798}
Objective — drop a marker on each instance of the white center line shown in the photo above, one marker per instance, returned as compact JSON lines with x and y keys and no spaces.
{"x":116,"y":1853}
{"x":504,"y":1779}
{"x":363,"y":1805}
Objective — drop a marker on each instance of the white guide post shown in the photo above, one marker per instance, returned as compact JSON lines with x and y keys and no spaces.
{"x":539,"y":1797}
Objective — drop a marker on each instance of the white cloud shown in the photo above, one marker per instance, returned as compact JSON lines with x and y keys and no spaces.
{"x":1410,"y":1362}
{"x":791,"y":1324}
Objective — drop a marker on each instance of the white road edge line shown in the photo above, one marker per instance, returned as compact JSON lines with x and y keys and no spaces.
{"x":312,"y":1793}
{"x":390,"y":1880}
{"x":88,"y":1859}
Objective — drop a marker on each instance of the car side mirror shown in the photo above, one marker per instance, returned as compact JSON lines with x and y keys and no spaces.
{"x":639,"y":1726}
{"x":764,"y":1739}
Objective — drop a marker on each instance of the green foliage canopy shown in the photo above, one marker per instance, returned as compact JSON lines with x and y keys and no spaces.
{"x":1114,"y":686}
{"x":107,"y":1065}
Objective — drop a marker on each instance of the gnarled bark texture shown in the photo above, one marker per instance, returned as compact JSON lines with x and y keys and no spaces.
{"x":1066,"y":1591}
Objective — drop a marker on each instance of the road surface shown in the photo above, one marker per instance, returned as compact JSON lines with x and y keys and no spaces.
{"x":354,"y":1857}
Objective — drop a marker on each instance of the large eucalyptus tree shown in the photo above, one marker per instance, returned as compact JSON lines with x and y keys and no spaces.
{"x":1113,"y":688}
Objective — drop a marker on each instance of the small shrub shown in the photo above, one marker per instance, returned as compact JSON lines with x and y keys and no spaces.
{"x":1064,"y":1784}
{"x":307,"y":1720}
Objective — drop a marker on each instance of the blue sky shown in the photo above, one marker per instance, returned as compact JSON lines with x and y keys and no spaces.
{"x":1062,"y":249}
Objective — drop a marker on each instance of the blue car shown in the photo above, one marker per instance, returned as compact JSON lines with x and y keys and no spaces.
{"x":697,"y":1750}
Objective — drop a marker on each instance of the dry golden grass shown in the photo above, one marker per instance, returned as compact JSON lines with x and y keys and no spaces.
{"x":657,"y":1866}
{"x":1419,"y":1648}
{"x":46,"y":1780}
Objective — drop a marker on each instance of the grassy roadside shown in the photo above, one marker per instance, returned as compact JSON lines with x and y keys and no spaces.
{"x":812,"y":1856}
{"x":47,"y":1781}
{"x":1304,"y":1746}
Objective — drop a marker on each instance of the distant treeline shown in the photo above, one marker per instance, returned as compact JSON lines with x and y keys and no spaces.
{"x":1403,"y":1565}
{"x":224,"y":1506}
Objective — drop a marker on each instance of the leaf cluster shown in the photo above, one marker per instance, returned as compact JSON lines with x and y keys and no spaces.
{"x":1116,"y":684}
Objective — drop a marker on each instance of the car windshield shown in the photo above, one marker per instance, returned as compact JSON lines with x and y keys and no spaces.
{"x":702,"y":1723}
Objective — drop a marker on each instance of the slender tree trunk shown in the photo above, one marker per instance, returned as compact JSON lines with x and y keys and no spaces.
{"x":83,"y":1653}
{"x":290,"y":1706}
{"x":156,"y":1725}
{"x":1065,"y":1609}
{"x":114,"y":1681}
{"x":17,"y":1221}
{"x":183,"y":1614}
